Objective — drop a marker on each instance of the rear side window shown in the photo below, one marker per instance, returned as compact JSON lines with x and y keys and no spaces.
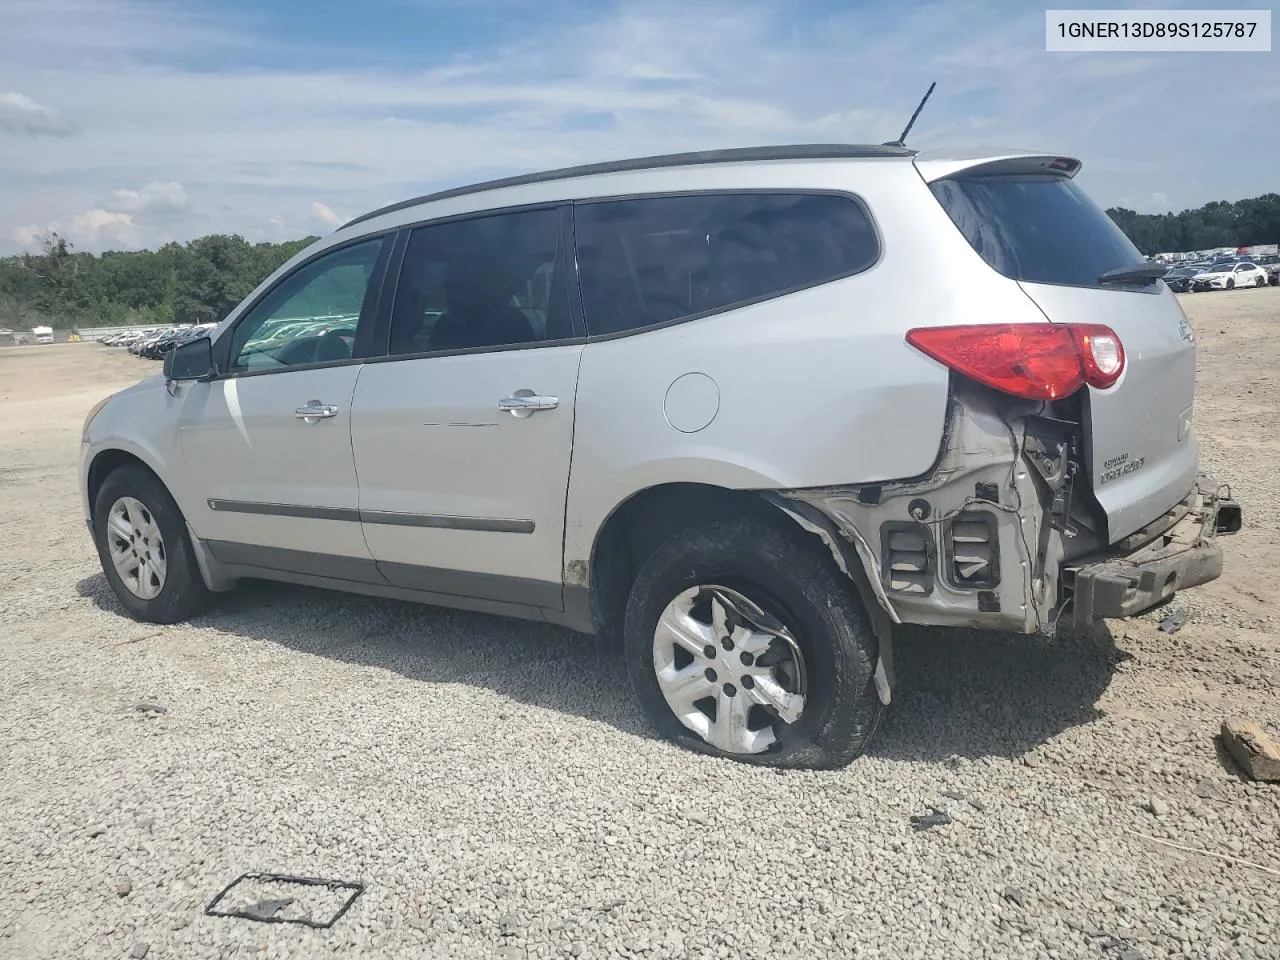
{"x":654,"y":260}
{"x":1036,"y":228}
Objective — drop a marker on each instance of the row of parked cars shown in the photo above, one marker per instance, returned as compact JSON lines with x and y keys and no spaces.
{"x":153,"y":344}
{"x":1224,"y":273}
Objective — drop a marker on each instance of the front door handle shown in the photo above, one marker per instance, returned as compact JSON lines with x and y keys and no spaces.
{"x":524,"y":403}
{"x":315,"y":410}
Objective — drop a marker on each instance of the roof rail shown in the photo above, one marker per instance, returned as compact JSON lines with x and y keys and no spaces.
{"x":804,"y":151}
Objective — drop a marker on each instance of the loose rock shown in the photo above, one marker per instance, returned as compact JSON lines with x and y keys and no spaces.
{"x":1014,"y":895}
{"x":510,"y":925}
{"x":1252,"y":748}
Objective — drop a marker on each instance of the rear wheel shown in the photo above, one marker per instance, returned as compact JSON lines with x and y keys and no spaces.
{"x":746,"y":642}
{"x":145,"y":552}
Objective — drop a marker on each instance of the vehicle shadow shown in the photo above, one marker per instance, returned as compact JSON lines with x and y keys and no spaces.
{"x":973,"y":693}
{"x":958,"y":693}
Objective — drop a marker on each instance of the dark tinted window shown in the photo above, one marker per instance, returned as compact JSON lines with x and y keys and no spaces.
{"x":487,"y":282}
{"x":1036,"y":228}
{"x":653,"y":260}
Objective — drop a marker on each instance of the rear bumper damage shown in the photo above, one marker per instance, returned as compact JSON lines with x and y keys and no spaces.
{"x":1004,"y":533}
{"x":1182,"y":553}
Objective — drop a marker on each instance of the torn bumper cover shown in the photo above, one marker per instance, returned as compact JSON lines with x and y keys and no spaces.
{"x":1175,"y":552}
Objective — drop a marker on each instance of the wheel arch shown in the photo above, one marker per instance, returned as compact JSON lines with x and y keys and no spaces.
{"x":649,"y":517}
{"x":106,"y":462}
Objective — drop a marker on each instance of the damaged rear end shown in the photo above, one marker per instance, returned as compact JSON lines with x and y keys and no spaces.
{"x":1067,"y":481}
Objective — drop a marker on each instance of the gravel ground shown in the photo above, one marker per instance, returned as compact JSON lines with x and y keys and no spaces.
{"x":494,"y":786}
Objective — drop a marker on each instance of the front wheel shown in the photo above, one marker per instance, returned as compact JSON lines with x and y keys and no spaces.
{"x":1231,"y":284}
{"x":744,"y":641}
{"x":1260,"y":282}
{"x":146,"y":554}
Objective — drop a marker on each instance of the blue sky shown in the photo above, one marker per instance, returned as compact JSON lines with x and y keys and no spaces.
{"x":128,"y":123}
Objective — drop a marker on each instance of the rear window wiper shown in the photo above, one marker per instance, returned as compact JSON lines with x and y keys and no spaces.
{"x":1140,"y":273}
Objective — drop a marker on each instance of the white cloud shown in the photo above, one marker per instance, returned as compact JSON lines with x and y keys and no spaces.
{"x":156,"y":198}
{"x":29,"y":234}
{"x":324,"y":213}
{"x":21,"y":114}
{"x":94,"y":226}
{"x":260,"y":150}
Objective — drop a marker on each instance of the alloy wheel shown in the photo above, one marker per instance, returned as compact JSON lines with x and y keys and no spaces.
{"x":136,"y":548}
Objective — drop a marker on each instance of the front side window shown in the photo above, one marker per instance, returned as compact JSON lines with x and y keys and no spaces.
{"x":653,"y":260}
{"x":487,"y":282}
{"x":310,"y":316}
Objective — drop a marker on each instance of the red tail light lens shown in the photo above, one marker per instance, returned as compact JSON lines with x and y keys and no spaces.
{"x":1038,"y":361}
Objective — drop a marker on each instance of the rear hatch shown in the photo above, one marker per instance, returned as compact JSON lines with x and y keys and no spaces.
{"x":1030,"y":221}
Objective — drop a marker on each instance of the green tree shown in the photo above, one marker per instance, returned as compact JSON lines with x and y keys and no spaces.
{"x":200,"y":280}
{"x":1217,"y":224}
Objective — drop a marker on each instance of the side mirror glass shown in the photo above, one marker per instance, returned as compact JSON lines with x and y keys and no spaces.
{"x":192,"y":360}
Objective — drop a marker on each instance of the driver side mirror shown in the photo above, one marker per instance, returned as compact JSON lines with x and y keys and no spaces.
{"x":192,"y":360}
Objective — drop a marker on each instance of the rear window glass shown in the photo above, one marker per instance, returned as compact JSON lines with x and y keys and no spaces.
{"x":653,"y":260}
{"x":1036,"y":228}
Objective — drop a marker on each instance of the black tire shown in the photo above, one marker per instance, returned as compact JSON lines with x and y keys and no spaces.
{"x":796,"y":582}
{"x":184,"y":593}
{"x":1231,"y":283}
{"x":1260,"y":282}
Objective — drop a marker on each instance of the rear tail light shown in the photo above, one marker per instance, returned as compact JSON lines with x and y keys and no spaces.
{"x":1038,"y":361}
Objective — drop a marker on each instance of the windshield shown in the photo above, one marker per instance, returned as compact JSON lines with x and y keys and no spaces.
{"x":1040,"y":229}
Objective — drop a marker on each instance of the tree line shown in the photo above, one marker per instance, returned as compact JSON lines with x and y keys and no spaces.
{"x":192,"y":282}
{"x":1218,"y":224}
{"x":202,"y":280}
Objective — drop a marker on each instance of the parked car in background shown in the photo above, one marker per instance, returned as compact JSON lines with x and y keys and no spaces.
{"x":573,"y":397}
{"x":138,"y":346}
{"x":1270,"y":263}
{"x":157,"y":349}
{"x":130,"y":337}
{"x":42,"y":334}
{"x":1179,"y":278}
{"x":1228,"y":276}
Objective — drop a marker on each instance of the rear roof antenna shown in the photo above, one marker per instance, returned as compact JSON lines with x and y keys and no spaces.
{"x":902,"y":139}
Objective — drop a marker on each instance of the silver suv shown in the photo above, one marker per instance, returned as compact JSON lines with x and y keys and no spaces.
{"x":747,"y":410}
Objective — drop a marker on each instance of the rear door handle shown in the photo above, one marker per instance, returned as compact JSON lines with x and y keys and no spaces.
{"x":315,"y":410}
{"x":524,"y":403}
